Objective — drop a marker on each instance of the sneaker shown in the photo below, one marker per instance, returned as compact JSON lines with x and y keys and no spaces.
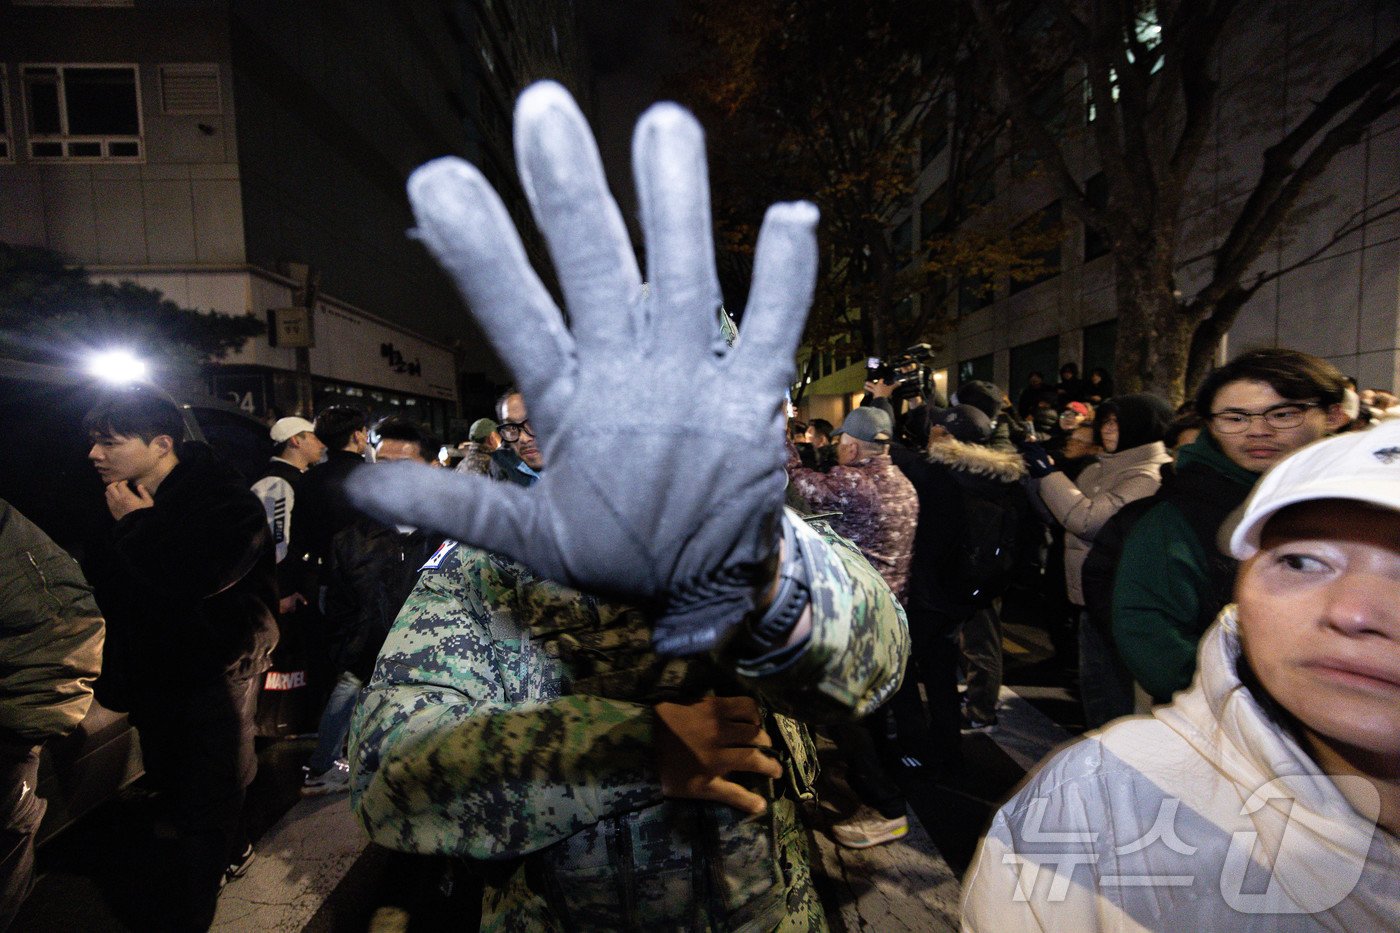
{"x":973,"y":724}
{"x":239,"y":868}
{"x":869,"y":828}
{"x":333,"y":780}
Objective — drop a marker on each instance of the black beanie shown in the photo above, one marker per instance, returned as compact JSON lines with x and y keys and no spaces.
{"x":984,"y":396}
{"x":967,"y":424}
{"x":1142,"y":419}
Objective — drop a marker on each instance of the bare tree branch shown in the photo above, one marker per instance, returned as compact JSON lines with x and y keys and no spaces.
{"x":1280,"y":183}
{"x":1017,"y":98}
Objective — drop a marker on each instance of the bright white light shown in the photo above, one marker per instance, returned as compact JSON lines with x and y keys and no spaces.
{"x":117,"y":366}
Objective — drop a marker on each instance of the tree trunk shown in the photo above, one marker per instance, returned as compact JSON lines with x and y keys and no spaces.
{"x":1204,"y":342}
{"x":1154,"y":331}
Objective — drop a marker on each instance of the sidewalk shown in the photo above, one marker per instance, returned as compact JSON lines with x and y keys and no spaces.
{"x":300,"y":862}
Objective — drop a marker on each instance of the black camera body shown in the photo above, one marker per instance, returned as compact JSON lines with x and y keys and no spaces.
{"x":906,"y":372}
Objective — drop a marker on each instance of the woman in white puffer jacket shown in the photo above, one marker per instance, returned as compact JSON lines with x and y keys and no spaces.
{"x":1267,"y":796}
{"x":1129,"y":428}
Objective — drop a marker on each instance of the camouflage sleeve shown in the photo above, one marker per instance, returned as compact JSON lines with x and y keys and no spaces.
{"x":854,"y":660}
{"x":836,"y":490}
{"x":446,"y":742}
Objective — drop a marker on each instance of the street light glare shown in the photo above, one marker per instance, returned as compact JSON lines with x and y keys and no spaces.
{"x":119,"y":366}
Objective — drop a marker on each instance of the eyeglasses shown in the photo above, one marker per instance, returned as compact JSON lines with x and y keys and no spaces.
{"x":510,"y":430}
{"x":1278,"y":417}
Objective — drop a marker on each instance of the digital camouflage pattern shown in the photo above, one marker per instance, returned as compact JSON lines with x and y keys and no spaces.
{"x":509,"y":720}
{"x":476,"y":459}
{"x":878,"y":505}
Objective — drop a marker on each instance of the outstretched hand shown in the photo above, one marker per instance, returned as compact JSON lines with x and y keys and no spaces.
{"x":672,"y":495}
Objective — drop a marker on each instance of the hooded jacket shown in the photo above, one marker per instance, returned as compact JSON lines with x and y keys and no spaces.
{"x":1170,"y":582}
{"x":1131,"y":472}
{"x":942,"y":525}
{"x":1207,"y":815}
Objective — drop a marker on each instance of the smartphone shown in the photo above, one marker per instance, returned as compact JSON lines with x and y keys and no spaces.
{"x":872,"y":369}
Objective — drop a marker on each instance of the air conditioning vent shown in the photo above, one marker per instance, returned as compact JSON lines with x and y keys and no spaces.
{"x":189,"y":89}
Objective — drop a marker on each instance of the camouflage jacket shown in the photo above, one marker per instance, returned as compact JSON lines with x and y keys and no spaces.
{"x":509,"y":720}
{"x":476,"y":460}
{"x":879,"y":510}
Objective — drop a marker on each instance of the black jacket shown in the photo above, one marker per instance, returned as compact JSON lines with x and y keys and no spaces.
{"x":506,"y":467}
{"x":188,"y":587}
{"x":50,"y":636}
{"x":372,"y":570}
{"x":941,"y":530}
{"x":323,"y":508}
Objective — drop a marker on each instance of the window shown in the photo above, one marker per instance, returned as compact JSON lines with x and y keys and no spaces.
{"x":1100,"y":346}
{"x":982,"y":174}
{"x":1042,"y":356}
{"x":975,"y":292}
{"x":7,"y":146}
{"x":1048,"y":106}
{"x":1096,"y":244}
{"x":935,"y":130}
{"x":83,"y":112}
{"x":902,"y":242}
{"x":1048,"y":223}
{"x":932,"y":212}
{"x":1149,"y":36}
{"x":976,"y":368}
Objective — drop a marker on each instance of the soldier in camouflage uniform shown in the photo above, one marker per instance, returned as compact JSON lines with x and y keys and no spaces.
{"x":512,"y":720}
{"x":588,"y":695}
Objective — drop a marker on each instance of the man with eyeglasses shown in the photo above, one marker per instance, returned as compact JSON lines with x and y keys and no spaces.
{"x":1173,"y":579}
{"x":519,"y":459}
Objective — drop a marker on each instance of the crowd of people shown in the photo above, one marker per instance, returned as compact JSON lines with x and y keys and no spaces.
{"x":588,"y":660}
{"x":1128,"y":498}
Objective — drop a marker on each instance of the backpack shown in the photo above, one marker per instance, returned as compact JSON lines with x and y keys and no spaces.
{"x":1205,"y":500}
{"x":987,"y":559}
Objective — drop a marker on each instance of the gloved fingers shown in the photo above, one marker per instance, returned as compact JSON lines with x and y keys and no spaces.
{"x":563,"y":179}
{"x":463,"y":222}
{"x":784,"y":276}
{"x":472,"y":509}
{"x":673,"y":194}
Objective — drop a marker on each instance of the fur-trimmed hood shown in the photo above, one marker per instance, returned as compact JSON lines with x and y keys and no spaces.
{"x":1001,"y":466}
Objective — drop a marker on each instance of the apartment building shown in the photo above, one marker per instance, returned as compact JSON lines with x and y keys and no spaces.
{"x":232,"y":152}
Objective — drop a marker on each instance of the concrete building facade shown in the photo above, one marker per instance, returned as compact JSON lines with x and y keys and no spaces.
{"x":1341,"y":303}
{"x":213,"y":149}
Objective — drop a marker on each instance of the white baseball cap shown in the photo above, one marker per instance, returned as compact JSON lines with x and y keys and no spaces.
{"x":1363,"y":466}
{"x":284,"y":429}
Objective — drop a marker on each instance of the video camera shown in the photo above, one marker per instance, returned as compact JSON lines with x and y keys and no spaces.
{"x":906,"y":372}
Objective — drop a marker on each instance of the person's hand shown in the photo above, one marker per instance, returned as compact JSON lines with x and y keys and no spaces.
{"x":1038,"y":460}
{"x":122,"y":501}
{"x":699,"y":744}
{"x":288,"y":604}
{"x":645,"y":495}
{"x":878,"y":388}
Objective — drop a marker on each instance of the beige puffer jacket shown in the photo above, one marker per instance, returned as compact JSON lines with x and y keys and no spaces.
{"x":1103,"y":489}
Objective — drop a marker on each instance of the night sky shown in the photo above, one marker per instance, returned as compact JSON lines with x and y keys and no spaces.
{"x":631,"y":44}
